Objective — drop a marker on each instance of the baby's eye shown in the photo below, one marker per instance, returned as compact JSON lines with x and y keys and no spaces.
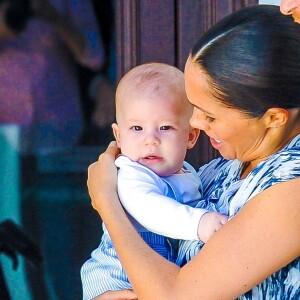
{"x":208,"y":119}
{"x":166,"y":127}
{"x":136,"y":128}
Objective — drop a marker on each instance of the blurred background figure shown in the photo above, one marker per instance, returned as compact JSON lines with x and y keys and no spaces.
{"x":64,"y":33}
{"x":99,"y":87}
{"x":16,"y":110}
{"x":66,"y":36}
{"x":42,"y":45}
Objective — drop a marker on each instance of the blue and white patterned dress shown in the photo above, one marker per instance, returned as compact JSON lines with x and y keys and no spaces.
{"x":222,"y":186}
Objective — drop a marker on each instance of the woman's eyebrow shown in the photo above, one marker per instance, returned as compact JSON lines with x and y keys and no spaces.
{"x":203,"y":110}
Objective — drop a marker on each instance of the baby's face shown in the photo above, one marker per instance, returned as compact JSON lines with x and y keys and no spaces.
{"x":153,"y":129}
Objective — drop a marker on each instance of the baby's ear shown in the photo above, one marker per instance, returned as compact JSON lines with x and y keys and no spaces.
{"x":116,"y":133}
{"x":193,"y":137}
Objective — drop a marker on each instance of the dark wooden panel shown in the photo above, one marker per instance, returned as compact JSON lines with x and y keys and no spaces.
{"x":127,"y":35}
{"x":145,"y":32}
{"x":157,"y":31}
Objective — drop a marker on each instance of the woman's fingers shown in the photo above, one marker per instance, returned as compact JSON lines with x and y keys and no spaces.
{"x":112,"y":149}
{"x":102,"y":175}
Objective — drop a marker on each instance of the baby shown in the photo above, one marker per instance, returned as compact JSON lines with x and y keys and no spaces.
{"x":160,"y":191}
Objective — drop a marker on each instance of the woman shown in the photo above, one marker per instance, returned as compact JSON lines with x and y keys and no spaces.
{"x":242,"y":78}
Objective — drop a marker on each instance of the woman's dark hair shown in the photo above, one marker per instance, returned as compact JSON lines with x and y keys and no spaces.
{"x":252,"y":58}
{"x":17,"y":14}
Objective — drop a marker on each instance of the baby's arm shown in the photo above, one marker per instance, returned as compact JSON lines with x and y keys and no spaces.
{"x":142,"y":194}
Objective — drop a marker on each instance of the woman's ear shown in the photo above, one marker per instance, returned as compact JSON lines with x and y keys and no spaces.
{"x":193,"y":137}
{"x":276,"y":117}
{"x":116,"y":133}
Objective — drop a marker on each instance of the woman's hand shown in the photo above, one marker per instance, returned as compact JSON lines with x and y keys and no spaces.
{"x":102,"y":177}
{"x":117,"y":295}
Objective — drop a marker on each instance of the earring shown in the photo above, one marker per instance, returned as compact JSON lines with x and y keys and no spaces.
{"x":275,"y":127}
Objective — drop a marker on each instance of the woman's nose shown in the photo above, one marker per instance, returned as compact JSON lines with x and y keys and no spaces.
{"x":288,"y":6}
{"x":199,"y":122}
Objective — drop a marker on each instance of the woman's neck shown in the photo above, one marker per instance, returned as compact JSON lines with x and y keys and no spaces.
{"x":247,"y":168}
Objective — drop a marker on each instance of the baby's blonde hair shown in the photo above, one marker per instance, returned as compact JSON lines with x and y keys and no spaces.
{"x":151,"y":76}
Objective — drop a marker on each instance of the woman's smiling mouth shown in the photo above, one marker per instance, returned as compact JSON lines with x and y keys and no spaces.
{"x":216,"y":143}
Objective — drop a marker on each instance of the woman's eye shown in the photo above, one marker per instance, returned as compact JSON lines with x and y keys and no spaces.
{"x":136,"y":128}
{"x":209,"y":119}
{"x":165,"y":127}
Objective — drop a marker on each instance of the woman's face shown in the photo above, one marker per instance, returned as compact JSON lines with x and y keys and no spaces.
{"x":234,"y":134}
{"x":291,"y":7}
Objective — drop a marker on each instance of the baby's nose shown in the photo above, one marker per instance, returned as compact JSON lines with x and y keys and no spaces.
{"x":152,"y":139}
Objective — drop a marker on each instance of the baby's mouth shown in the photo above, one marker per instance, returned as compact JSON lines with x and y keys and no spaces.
{"x":151,"y":158}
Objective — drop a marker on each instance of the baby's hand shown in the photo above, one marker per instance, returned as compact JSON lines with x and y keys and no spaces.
{"x":209,"y":224}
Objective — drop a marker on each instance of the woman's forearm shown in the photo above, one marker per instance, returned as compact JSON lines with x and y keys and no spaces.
{"x":234,"y":260}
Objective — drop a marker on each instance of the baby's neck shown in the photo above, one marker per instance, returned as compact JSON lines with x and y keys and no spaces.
{"x":181,"y":171}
